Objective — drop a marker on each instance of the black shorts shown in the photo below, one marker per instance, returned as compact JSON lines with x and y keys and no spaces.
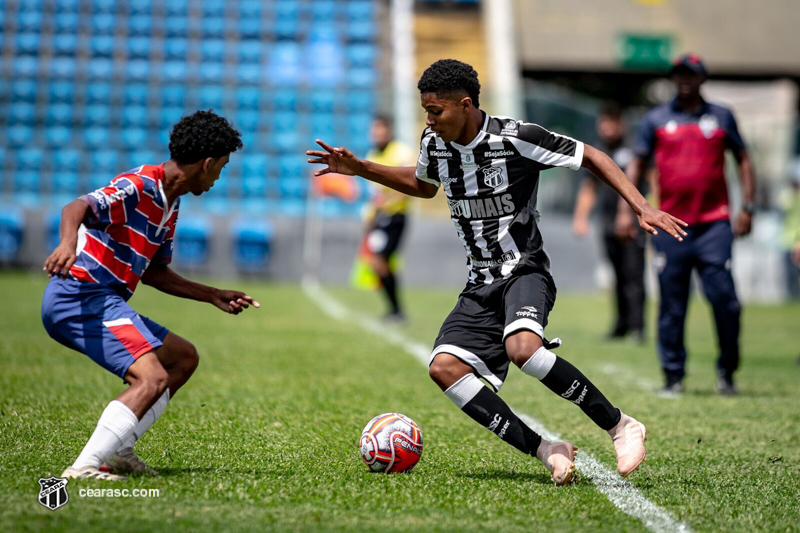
{"x":385,"y":234}
{"x":475,"y":330}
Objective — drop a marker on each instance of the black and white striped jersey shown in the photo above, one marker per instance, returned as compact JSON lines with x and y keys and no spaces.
{"x":491,"y":186}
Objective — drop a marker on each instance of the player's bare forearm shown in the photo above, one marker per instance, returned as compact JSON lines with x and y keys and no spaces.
{"x":342,"y":161}
{"x":649,"y":217}
{"x":170,"y":282}
{"x":64,"y":256}
{"x":401,"y":179}
{"x":748,"y":178}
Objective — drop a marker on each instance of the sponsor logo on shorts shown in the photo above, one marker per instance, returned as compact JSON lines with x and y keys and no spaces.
{"x":529,"y":311}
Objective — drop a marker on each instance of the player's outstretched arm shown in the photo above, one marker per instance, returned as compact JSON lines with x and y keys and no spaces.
{"x":342,"y":161}
{"x":166,"y":280}
{"x":650,"y":218}
{"x":63,"y":257}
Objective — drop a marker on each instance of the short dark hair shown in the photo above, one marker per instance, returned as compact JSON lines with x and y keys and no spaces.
{"x":611,"y":110}
{"x":200,"y":135}
{"x":448,"y":76}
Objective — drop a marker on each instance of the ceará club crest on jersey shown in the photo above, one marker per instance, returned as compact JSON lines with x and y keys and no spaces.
{"x":493,"y":176}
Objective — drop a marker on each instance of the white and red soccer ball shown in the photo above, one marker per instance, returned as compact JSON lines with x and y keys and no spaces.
{"x":391,"y":443}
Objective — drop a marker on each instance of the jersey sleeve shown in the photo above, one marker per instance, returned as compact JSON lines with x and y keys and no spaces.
{"x":112,"y":204}
{"x":547,"y":149}
{"x":427,"y":170}
{"x":733,"y":140}
{"x":645,"y":142}
{"x":163,"y":255}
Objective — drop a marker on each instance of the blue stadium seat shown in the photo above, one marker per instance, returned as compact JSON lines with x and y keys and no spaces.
{"x":248,"y":98}
{"x":250,"y":51}
{"x":134,"y":116}
{"x":134,"y":138}
{"x":106,"y":161}
{"x":359,"y":124}
{"x":361,"y":78}
{"x":27,"y":43}
{"x":247,"y":120}
{"x":97,"y":115}
{"x":252,"y":244}
{"x":214,"y":8}
{"x":27,"y":181}
{"x":23,"y":90}
{"x":29,"y":21}
{"x":103,"y":24}
{"x":284,"y":64}
{"x":137,"y":158}
{"x":362,"y":55}
{"x":58,"y":135}
{"x":140,"y":7}
{"x":138,"y":47}
{"x":65,"y":44}
{"x":174,"y":71}
{"x":19,"y":135}
{"x":327,"y":65}
{"x":251,"y":28}
{"x":322,"y":101}
{"x":61,"y":91}
{"x":176,"y":8}
{"x":104,"y":6}
{"x":102,"y":45}
{"x":25,"y":67}
{"x":12,"y":223}
{"x":173,"y":95}
{"x":169,"y":116}
{"x":175,"y":49}
{"x":100,"y":69}
{"x":52,"y":221}
{"x":140,"y":24}
{"x":177,"y":26}
{"x":212,"y":50}
{"x":29,"y":159}
{"x":135,"y":94}
{"x":324,"y":31}
{"x":96,"y":137}
{"x":293,"y":167}
{"x":98,"y":93}
{"x":249,"y":9}
{"x":137,"y":70}
{"x":213,"y":27}
{"x":98,"y":180}
{"x":292,"y":187}
{"x":210,"y":96}
{"x":323,"y":125}
{"x":360,"y":12}
{"x":284,"y":101}
{"x":250,"y":74}
{"x":360,"y":101}
{"x":65,"y":182}
{"x":21,"y":113}
{"x":67,"y":6}
{"x":66,"y":23}
{"x":324,"y":11}
{"x":212,"y":72}
{"x":59,"y":114}
{"x":254,"y":186}
{"x":66,"y":159}
{"x":254,"y":165}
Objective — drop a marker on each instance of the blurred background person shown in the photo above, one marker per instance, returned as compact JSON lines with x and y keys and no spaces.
{"x":625,"y":250}
{"x":386,"y":215}
{"x":687,"y":139}
{"x":790,"y":200}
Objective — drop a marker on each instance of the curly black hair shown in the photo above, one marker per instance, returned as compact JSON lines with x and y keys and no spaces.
{"x":448,"y":76}
{"x":200,"y":135}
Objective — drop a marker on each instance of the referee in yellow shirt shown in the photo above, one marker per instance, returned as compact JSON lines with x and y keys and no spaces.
{"x":386,"y":214}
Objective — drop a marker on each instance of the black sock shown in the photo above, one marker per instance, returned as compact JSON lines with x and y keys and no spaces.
{"x":490,"y":411}
{"x":568,"y":382}
{"x":390,"y":287}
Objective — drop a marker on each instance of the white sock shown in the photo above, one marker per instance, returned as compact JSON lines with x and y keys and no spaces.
{"x":147,"y":420}
{"x":540,"y":363}
{"x":114,"y":427}
{"x":464,"y":390}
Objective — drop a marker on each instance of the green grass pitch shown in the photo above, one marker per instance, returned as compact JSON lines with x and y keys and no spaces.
{"x":264,"y":436}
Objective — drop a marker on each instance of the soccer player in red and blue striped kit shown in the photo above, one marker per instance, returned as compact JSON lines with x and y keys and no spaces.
{"x":111,"y":239}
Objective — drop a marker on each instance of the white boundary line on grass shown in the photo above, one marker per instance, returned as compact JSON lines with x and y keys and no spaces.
{"x":622,"y":494}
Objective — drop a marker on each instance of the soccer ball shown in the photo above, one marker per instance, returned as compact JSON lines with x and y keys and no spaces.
{"x":391,"y":443}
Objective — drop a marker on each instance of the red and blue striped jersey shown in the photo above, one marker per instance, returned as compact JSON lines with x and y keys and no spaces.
{"x":130,"y":226}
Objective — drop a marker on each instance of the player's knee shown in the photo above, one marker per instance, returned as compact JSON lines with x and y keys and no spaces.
{"x":190,"y":359}
{"x":520,"y":347}
{"x":155,"y":383}
{"x":445,"y":370}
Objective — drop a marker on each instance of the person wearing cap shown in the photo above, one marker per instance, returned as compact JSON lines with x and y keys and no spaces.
{"x":686,"y":140}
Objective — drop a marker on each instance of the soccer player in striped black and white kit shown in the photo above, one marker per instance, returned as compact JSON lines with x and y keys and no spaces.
{"x":489,"y":169}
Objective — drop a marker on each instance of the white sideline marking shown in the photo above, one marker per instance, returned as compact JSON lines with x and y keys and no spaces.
{"x":618,"y":491}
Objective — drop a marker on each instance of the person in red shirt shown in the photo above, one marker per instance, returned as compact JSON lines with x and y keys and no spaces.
{"x":686,"y":140}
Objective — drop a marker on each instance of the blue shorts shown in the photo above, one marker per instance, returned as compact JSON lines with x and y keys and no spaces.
{"x":98,"y":322}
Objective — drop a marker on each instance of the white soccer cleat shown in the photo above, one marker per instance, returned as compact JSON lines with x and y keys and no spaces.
{"x":628,"y":436}
{"x":559,"y":458}
{"x":91,"y":472}
{"x":127,"y":462}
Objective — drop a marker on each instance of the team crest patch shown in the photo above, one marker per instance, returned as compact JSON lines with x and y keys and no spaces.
{"x":708,"y":124}
{"x":493,"y":176}
{"x":53,"y":493}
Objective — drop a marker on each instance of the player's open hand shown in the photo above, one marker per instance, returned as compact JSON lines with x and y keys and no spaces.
{"x":338,"y":160}
{"x":60,"y":261}
{"x":651,"y":218}
{"x":233,"y":302}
